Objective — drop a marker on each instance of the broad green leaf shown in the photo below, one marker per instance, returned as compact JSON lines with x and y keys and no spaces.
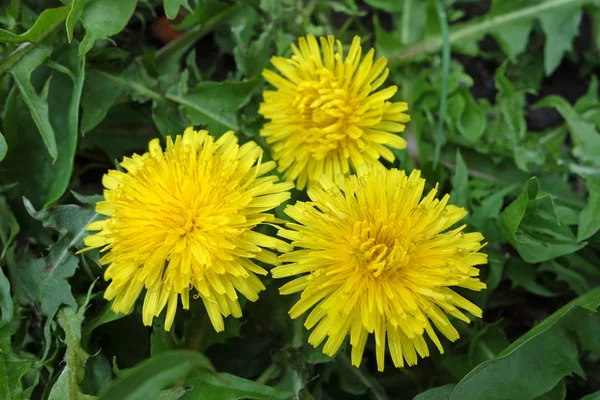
{"x":558,"y":392}
{"x":438,"y":393}
{"x":172,"y":7}
{"x":560,"y":26}
{"x":99,"y":95}
{"x":9,"y":227}
{"x":74,"y":15}
{"x":147,"y":379}
{"x":46,"y":179}
{"x":210,"y":386}
{"x":215,"y":104}
{"x":589,"y":219}
{"x":37,"y":103}
{"x":104,"y":18}
{"x":527,"y":369}
{"x":48,"y":20}
{"x":583,"y":133}
{"x":532,"y":227}
{"x":3,"y":147}
{"x":460,"y":183}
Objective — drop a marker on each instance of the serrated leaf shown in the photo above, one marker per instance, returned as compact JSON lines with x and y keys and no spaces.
{"x":560,"y":26}
{"x":45,"y":179}
{"x":37,"y":103}
{"x":215,"y":104}
{"x":68,"y":219}
{"x":48,"y":20}
{"x":67,"y":385}
{"x":147,"y":379}
{"x":103,"y":19}
{"x":512,"y":39}
{"x":584,"y":133}
{"x":532,"y":227}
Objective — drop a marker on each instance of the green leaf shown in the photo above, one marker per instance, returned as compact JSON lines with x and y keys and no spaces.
{"x":589,"y":219}
{"x":67,"y":219}
{"x":251,"y":59}
{"x":67,"y":385}
{"x":486,"y":344}
{"x":148,"y":378}
{"x":104,"y":316}
{"x":592,"y":396}
{"x":3,"y":147}
{"x":532,"y":227}
{"x":583,"y":133}
{"x":99,"y":94}
{"x":527,"y":369}
{"x":6,"y":303}
{"x":412,"y":25}
{"x":514,"y":17}
{"x":172,"y":7}
{"x":46,"y":179}
{"x":558,"y":392}
{"x":460,"y":183}
{"x":522,"y":274}
{"x":48,"y":20}
{"x":438,"y":393}
{"x":210,"y":386}
{"x":560,"y":26}
{"x":513,"y":39}
{"x":12,"y":366}
{"x":9,"y":227}
{"x":74,"y":15}
{"x":104,"y":18}
{"x":386,"y":5}
{"x":38,"y":104}
{"x":215,"y":104}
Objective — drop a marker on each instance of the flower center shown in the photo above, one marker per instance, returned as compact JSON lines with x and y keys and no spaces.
{"x":375,"y":251}
{"x":326,"y":109}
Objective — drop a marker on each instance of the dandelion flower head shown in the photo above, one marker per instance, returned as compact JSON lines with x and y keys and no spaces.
{"x":328,"y":112}
{"x":181,"y":219}
{"x":373,"y":256}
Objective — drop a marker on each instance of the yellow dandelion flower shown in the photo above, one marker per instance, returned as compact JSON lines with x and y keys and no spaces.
{"x":181,"y":219}
{"x":375,"y":257}
{"x":327,"y":113}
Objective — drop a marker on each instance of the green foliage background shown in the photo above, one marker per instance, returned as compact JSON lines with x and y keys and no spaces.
{"x":508,"y":124}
